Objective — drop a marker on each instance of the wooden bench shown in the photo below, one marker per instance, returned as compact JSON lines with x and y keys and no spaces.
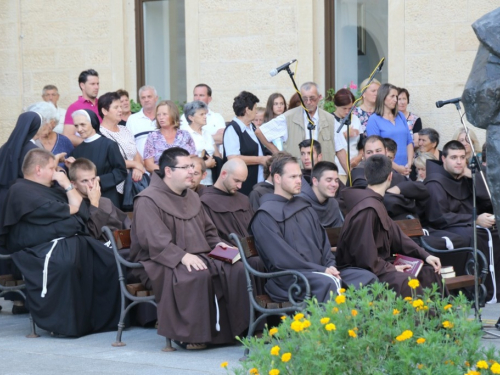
{"x":131,"y":294}
{"x":413,"y":229}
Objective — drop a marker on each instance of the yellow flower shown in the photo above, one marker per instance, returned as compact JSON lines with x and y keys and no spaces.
{"x":405,"y":335}
{"x":395,"y":312}
{"x":448,"y":306}
{"x":495,"y":368}
{"x":418,"y":303}
{"x":298,"y":316}
{"x":274,"y":372}
{"x":275,"y":350}
{"x":283,"y":317}
{"x":297,"y":326}
{"x":413,"y":283}
{"x":335,"y":310}
{"x":273,"y":331}
{"x":354,"y":312}
{"x":340,"y":299}
{"x":420,"y":366}
{"x":324,"y":320}
{"x":254,"y":371}
{"x":370,"y":303}
{"x":409,"y":299}
{"x":467,"y":364}
{"x":341,"y":290}
{"x":306,"y":323}
{"x":223,"y":364}
{"x":286,"y":357}
{"x":447,"y":324}
{"x":352,"y":333}
{"x":482,"y":364}
{"x":472,"y":372}
{"x":330,"y":327}
{"x":421,"y":340}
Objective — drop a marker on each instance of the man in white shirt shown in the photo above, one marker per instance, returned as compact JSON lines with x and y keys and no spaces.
{"x":143,"y":122}
{"x":291,"y":128}
{"x":50,"y":93}
{"x":215,"y":122}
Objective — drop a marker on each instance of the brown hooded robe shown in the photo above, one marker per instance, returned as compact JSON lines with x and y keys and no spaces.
{"x":369,"y":238}
{"x":165,"y":227}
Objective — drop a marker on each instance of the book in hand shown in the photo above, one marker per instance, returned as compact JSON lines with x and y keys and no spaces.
{"x":416,"y":264}
{"x":228,"y":254}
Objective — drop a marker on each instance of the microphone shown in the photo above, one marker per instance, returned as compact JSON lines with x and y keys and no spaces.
{"x":381,"y":65}
{"x":450,"y":101}
{"x":280,"y":68}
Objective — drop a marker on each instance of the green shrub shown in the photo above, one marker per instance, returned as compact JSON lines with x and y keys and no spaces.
{"x":373,"y":331}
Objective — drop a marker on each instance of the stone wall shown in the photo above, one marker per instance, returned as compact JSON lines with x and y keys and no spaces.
{"x":232,"y":46}
{"x":432,"y":48}
{"x":52,"y":41}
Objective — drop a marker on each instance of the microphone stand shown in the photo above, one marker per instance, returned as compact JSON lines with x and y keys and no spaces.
{"x":310,"y":126}
{"x":346,"y":121}
{"x":473,"y":166}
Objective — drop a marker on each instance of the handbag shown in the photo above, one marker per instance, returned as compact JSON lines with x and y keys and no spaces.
{"x":131,"y":188}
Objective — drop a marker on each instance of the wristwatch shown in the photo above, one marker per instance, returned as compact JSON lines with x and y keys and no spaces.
{"x":69,"y":188}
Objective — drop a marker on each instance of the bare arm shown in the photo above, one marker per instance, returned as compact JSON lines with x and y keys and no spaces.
{"x":74,"y":198}
{"x":150,"y":165}
{"x":70,"y":132}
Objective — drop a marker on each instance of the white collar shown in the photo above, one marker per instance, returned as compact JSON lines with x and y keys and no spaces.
{"x":93,"y":138}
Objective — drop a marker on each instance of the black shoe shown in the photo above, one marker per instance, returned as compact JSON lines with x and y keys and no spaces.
{"x":17,"y":310}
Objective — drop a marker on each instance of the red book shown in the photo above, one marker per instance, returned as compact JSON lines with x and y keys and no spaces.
{"x":228,"y":254}
{"x":416,"y":264}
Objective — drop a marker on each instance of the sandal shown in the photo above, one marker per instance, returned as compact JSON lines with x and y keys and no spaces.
{"x":190,"y":346}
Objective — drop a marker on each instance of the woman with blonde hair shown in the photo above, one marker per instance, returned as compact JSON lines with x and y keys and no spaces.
{"x":461,"y":136}
{"x":367,"y":104}
{"x":420,"y":164}
{"x":166,"y":136}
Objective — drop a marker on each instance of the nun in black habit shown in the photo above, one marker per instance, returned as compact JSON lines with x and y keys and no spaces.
{"x":103,"y":152}
{"x":12,"y":154}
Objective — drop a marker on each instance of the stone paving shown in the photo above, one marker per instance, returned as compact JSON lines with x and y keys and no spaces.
{"x":94,"y":354}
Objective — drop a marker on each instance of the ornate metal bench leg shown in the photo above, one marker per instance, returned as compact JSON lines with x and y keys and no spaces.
{"x":33,"y":333}
{"x":169,"y":347}
{"x":118,"y":341}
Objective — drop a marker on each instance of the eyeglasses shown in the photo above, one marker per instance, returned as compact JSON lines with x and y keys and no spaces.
{"x":309,"y":98}
{"x":186,"y":167}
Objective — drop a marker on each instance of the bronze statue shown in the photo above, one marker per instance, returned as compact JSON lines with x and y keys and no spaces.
{"x":481,"y":97}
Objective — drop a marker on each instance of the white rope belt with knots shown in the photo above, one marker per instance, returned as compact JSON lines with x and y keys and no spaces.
{"x":46,"y":266}
{"x":335,"y":279}
{"x":492,"y":265}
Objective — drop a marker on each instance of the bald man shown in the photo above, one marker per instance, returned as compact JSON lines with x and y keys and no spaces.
{"x":230,"y":210}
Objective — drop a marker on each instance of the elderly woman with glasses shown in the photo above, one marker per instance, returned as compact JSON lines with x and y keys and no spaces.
{"x":196,"y":116}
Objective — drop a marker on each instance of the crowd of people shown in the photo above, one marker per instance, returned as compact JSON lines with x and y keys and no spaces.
{"x":195,"y":179}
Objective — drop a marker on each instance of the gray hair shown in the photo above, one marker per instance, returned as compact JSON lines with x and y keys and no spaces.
{"x":49,"y":87}
{"x":46,"y":110}
{"x":431,"y":133}
{"x":308,"y":85}
{"x":146,"y":88}
{"x":81,"y":112}
{"x":191,"y":108}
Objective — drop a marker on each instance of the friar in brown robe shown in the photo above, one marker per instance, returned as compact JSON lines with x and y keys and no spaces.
{"x":200,"y":299}
{"x":82,"y":174}
{"x":450,"y":205}
{"x":229,"y":210}
{"x":200,"y":172}
{"x":369,"y":237}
